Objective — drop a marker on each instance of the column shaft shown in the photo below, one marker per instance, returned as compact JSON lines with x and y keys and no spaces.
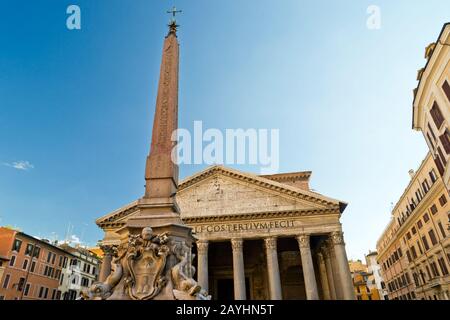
{"x":323,"y":277}
{"x":308,"y":267}
{"x":273,"y":268}
{"x":343,"y":267}
{"x":238,"y":269}
{"x":202,"y":264}
{"x":330,"y":273}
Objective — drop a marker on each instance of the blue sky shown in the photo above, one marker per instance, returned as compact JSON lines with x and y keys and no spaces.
{"x":78,"y":105}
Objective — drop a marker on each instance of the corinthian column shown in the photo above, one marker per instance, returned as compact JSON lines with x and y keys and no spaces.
{"x":344,"y":274}
{"x":202,"y":264}
{"x":273,"y":269}
{"x":238,"y":269}
{"x":323,"y":276}
{"x":308,"y":267}
{"x":330,"y":274}
{"x":105,"y":270}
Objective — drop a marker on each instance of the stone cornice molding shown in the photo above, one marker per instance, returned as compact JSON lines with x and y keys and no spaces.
{"x":113,"y":223}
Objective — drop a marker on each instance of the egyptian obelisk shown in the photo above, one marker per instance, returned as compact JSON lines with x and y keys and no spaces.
{"x":154,"y":260}
{"x":158,"y":206}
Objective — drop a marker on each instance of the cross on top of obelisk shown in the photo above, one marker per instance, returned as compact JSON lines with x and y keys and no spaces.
{"x":174,"y":11}
{"x":173,"y":22}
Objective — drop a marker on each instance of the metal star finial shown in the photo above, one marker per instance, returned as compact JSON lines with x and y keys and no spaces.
{"x":173,"y":22}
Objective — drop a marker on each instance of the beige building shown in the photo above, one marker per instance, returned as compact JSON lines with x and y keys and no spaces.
{"x":259,"y":237}
{"x":431,"y":106}
{"x":414,"y":249}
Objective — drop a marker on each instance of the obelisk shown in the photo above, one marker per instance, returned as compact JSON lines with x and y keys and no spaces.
{"x":158,"y":205}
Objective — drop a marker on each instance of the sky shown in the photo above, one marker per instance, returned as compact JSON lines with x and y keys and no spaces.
{"x":76,"y":106}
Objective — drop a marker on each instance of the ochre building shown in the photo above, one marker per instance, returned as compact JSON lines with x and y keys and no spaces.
{"x":414,"y":249}
{"x":431,"y":107}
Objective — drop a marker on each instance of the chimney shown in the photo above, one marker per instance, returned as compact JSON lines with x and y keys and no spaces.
{"x":411,"y":173}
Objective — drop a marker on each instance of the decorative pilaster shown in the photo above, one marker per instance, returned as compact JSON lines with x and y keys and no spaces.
{"x":238,"y":269}
{"x":273,"y":268}
{"x":108,"y":253}
{"x":344,"y":274}
{"x":330,"y":274}
{"x":308,"y":267}
{"x":202,"y":264}
{"x":323,"y":276}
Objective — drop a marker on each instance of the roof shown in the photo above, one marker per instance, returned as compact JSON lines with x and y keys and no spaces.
{"x":247,"y":177}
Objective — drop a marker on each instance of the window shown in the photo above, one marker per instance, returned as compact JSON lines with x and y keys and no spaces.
{"x":25,"y":264}
{"x":41,"y":292}
{"x":12,"y":261}
{"x":433,"y":176}
{"x":413,"y":230}
{"x":60,"y":261}
{"x":444,"y":269}
{"x":408,"y":255}
{"x":413,"y":252}
{"x":437,"y":116}
{"x":439,"y":164}
{"x":419,"y":224}
{"x":441,"y":228}
{"x":29,"y":249}
{"x":49,"y":257}
{"x":93,"y":270}
{"x":425,"y":186}
{"x":420,"y":247}
{"x":16,"y":245}
{"x":426,"y":217}
{"x":428,"y":272}
{"x":434,"y":269}
{"x":84,"y":282}
{"x":442,"y":200}
{"x":27,"y":289}
{"x":445,"y":140}
{"x":446,"y":89}
{"x":36,"y":252}
{"x":33,"y":266}
{"x":399,"y":250}
{"x":53,"y":294}
{"x":432,"y":237}
{"x":20,"y":284}
{"x":53,"y":259}
{"x":433,"y":209}
{"x":425,"y":243}
{"x":45,"y":293}
{"x":6,"y":281}
{"x":408,"y":236}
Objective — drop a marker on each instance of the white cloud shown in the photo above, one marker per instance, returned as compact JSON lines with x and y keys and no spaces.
{"x":20,"y":165}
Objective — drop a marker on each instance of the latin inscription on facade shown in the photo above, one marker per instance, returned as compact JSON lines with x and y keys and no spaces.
{"x":244,"y":226}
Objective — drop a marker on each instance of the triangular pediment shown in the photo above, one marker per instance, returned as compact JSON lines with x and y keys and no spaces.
{"x":221,"y":191}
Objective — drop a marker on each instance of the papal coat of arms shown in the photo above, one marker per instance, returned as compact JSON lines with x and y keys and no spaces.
{"x":141,"y":271}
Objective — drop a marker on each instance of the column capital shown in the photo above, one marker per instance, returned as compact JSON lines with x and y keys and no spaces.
{"x":202,"y":246}
{"x":270,"y":243}
{"x":237,"y":244}
{"x":337,"y":238}
{"x":303,"y":240}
